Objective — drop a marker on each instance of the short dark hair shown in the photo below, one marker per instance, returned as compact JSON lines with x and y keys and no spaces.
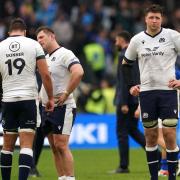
{"x":125,"y":35}
{"x":17,"y":24}
{"x":46,"y":29}
{"x":154,"y":8}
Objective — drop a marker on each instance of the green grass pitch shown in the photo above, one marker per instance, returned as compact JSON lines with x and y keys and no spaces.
{"x":92,"y":165}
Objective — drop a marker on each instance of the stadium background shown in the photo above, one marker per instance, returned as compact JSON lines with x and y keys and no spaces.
{"x":88,"y":28}
{"x":82,"y":26}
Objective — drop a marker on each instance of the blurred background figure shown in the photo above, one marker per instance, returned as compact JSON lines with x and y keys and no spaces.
{"x":126,"y":106}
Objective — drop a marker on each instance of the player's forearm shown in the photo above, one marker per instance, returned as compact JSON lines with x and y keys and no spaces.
{"x":47,"y":82}
{"x":75,"y":79}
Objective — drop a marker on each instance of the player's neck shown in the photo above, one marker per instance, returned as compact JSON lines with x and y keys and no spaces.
{"x":17,"y":33}
{"x":53,"y":47}
{"x":152,"y":32}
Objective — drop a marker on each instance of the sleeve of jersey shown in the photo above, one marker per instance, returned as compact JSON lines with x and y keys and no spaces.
{"x":131,"y":52}
{"x":39,"y":52}
{"x":70,"y":59}
{"x":176,"y":39}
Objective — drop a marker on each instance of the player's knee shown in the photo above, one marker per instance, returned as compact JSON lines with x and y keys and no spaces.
{"x":150,"y":124}
{"x":169,"y":122}
{"x":61,"y":146}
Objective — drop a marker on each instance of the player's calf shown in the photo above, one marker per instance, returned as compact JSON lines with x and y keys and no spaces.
{"x":6,"y":164}
{"x":25,"y":163}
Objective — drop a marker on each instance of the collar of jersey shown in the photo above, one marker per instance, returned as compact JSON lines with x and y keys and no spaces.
{"x":155,"y":34}
{"x":54,"y":50}
{"x":15,"y":35}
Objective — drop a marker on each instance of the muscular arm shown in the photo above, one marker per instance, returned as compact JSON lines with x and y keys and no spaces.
{"x":46,"y":80}
{"x":76,"y":75}
{"x":77,"y":72}
{"x":45,"y":76}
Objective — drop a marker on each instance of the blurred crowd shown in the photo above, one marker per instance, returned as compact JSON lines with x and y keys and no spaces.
{"x":88,"y":28}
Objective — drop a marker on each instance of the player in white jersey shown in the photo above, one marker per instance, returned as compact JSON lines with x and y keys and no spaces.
{"x":66,"y":73}
{"x":157,"y":49}
{"x":19,"y":57}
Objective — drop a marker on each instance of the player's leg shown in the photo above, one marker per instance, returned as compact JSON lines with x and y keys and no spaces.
{"x":26,"y":153}
{"x":61,"y":133}
{"x":47,"y":131}
{"x":148,"y":100}
{"x":57,"y":157}
{"x":169,"y":115}
{"x":178,"y":169}
{"x":9,"y":139}
{"x":10,"y":135}
{"x":172,"y":151}
{"x":164,"y":167}
{"x":61,"y":144}
{"x":28,"y":123}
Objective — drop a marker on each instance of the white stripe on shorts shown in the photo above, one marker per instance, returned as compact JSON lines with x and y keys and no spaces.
{"x":68,"y":121}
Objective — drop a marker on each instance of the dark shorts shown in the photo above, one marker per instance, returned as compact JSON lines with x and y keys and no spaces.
{"x":60,"y":121}
{"x":19,"y":115}
{"x":161,"y":104}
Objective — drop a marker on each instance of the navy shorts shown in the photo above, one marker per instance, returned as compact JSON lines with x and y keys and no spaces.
{"x":19,"y":115}
{"x":60,"y":121}
{"x":161,"y":104}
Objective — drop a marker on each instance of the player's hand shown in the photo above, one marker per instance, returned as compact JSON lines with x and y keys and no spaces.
{"x":50,"y":105}
{"x":135,"y":90}
{"x":174,"y":83}
{"x":124,"y":109}
{"x":61,"y":98}
{"x":137,"y":113}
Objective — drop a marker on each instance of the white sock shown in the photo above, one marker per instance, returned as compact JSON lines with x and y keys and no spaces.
{"x":70,"y":178}
{"x":62,"y":178}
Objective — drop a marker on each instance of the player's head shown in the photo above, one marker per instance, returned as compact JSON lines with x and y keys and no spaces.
{"x":122,"y":39}
{"x":153,"y":17}
{"x":154,"y":8}
{"x":17,"y":25}
{"x":45,"y":36}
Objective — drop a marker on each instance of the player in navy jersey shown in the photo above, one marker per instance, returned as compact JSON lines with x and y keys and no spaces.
{"x":156,"y":49}
{"x":19,"y":58}
{"x":66,"y":73}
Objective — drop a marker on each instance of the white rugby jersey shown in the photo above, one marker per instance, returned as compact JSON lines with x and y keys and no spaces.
{"x":156,"y":56}
{"x":18,"y":56}
{"x":59,"y":63}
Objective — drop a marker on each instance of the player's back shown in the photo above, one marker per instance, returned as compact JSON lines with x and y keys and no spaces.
{"x":17,"y":66}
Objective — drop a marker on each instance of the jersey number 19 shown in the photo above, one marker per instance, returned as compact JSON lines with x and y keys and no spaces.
{"x":18,"y":63}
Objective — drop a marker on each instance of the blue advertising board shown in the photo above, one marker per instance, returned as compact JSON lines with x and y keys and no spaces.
{"x":96,"y":131}
{"x":91,"y":132}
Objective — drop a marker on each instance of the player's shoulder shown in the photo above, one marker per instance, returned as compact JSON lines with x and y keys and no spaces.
{"x":171,"y":34}
{"x":138,"y":37}
{"x":169,"y":31}
{"x":30,"y":40}
{"x":65,"y":53}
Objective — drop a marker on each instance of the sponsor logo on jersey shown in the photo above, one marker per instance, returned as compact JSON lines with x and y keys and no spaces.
{"x":152,"y":52}
{"x":154,"y":49}
{"x":14,"y":46}
{"x":162,"y":40}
